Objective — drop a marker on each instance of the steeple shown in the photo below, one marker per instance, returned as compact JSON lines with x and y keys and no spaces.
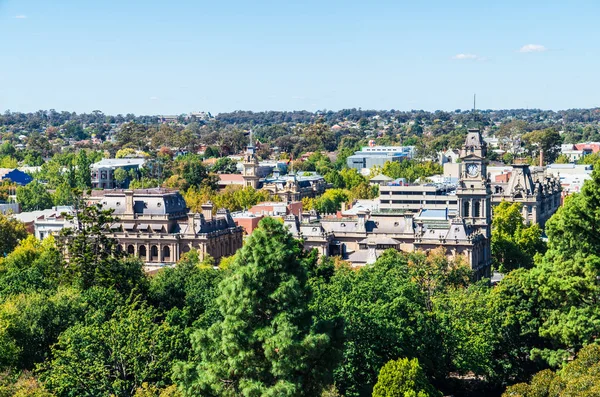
{"x":250,"y":165}
{"x":250,"y":149}
{"x":474,"y":144}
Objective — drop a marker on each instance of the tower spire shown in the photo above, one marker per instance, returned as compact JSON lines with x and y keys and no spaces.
{"x":474,"y":103}
{"x":250,"y":149}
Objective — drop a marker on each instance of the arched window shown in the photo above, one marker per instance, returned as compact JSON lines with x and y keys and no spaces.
{"x":466,"y":209}
{"x":142,"y":252}
{"x":477,"y":209}
{"x":154,"y":252}
{"x":166,"y":254}
{"x":130,"y":249}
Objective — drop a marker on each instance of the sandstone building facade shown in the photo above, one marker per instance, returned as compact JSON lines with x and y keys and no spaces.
{"x":156,"y":226}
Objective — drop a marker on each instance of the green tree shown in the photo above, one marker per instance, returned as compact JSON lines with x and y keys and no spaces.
{"x":114,"y":357}
{"x":336,"y":180}
{"x":579,"y":377}
{"x":83,"y":176}
{"x":225,"y":165}
{"x":125,"y":152}
{"x":411,"y":170}
{"x":384,"y":316}
{"x":510,"y":133}
{"x":562,"y":159}
{"x":547,"y":141}
{"x":364,"y":191}
{"x":120,"y":176}
{"x":192,"y":171}
{"x":267,"y":342}
{"x":32,"y":322}
{"x":63,"y":195}
{"x":463,"y":326}
{"x":34,"y":196}
{"x":331,"y":201}
{"x":95,"y":258}
{"x":403,"y":378}
{"x":514,"y":244}
{"x":11,"y":232}
{"x":574,"y":227}
{"x":21,"y":384}
{"x":188,"y":287}
{"x":352,"y":178}
{"x":32,"y":266}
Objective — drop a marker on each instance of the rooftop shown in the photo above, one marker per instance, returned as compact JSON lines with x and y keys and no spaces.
{"x":158,"y":191}
{"x":119,"y":162}
{"x":381,"y":178}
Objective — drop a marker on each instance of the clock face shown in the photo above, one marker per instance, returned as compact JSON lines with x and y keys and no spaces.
{"x":472,"y":170}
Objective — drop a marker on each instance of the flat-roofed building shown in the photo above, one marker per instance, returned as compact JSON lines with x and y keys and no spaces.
{"x":413,"y":198}
{"x":103,"y":172}
{"x":370,"y":156}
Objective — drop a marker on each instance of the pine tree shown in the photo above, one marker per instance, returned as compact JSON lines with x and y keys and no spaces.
{"x":95,"y":258}
{"x":267,"y":343}
{"x":83,"y":176}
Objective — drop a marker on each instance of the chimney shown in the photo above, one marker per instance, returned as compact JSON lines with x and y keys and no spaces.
{"x":362,"y":219}
{"x":207,"y":209}
{"x":129,"y":201}
{"x":193,"y":223}
{"x":371,"y":252}
{"x":541,"y":158}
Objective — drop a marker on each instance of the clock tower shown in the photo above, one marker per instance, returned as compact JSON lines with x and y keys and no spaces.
{"x":473,"y":191}
{"x":250,"y":165}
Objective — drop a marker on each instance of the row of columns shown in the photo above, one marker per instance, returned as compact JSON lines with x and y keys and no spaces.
{"x":152,"y":253}
{"x":221,"y":246}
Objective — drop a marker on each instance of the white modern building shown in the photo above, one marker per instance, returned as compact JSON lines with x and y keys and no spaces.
{"x":370,"y":156}
{"x":103,"y":171}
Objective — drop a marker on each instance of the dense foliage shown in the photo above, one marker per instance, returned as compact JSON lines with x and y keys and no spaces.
{"x":267,"y":343}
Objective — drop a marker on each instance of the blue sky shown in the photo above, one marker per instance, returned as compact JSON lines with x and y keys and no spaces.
{"x":166,"y":57}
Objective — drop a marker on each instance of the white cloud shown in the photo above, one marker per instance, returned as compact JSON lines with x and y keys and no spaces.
{"x":533,"y":48}
{"x":153,"y":98}
{"x":469,"y":57}
{"x":20,"y":16}
{"x":465,"y":56}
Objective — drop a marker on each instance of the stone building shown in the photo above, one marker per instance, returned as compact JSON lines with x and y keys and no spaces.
{"x":288,"y":188}
{"x":538,"y":192}
{"x":156,"y":226}
{"x":463,"y":233}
